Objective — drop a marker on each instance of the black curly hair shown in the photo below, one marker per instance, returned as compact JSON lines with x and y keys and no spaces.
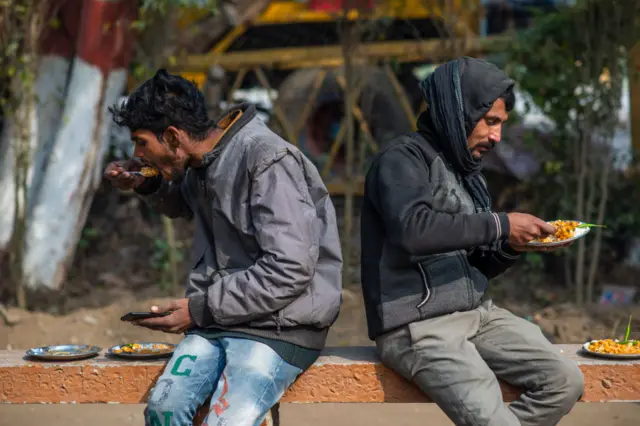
{"x":165,"y":100}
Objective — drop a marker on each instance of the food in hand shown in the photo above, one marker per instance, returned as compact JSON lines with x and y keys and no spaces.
{"x":610,"y":346}
{"x":565,"y":229}
{"x":148,"y":172}
{"x":138,"y":349}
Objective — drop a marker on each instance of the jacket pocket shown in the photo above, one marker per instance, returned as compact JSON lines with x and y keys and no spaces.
{"x":299,"y":312}
{"x":427,"y":287}
{"x":446,"y":286}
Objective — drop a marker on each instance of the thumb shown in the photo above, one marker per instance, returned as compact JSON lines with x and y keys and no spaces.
{"x":171,"y":306}
{"x":546,"y":228}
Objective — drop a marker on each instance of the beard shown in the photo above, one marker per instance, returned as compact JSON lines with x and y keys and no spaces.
{"x":172,"y":167}
{"x":478,"y":154}
{"x":177,"y":173}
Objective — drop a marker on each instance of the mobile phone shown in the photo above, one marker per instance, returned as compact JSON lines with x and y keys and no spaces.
{"x":133,"y":316}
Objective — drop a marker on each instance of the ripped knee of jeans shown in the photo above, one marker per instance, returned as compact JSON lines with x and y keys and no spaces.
{"x":161,"y":392}
{"x":246,"y":415}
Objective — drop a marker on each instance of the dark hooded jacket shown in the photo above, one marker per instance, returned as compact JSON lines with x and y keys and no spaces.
{"x":430,"y":241}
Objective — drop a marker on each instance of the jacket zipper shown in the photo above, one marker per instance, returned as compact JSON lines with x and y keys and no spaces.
{"x":278,"y":323}
{"x":426,"y":287}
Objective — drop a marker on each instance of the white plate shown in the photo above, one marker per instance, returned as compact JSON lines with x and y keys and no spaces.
{"x":585,"y":347}
{"x":578,"y":233}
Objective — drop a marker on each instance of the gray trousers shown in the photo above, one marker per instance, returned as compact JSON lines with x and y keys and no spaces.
{"x":455,"y":359}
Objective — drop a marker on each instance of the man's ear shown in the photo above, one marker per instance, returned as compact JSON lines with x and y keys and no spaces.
{"x":173,"y":137}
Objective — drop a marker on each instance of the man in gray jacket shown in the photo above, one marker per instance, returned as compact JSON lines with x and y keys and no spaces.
{"x":265,"y":283}
{"x":430,"y":243}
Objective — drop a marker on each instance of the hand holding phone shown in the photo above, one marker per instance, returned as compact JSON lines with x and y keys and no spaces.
{"x":134,"y":316}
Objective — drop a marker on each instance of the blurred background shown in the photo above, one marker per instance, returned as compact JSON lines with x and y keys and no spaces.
{"x":340,"y":80}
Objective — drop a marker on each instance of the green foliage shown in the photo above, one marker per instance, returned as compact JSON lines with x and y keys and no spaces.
{"x":21,"y":26}
{"x":154,"y":30}
{"x":160,"y":260}
{"x":573,"y":64}
{"x":623,"y":209}
{"x":13,"y":58}
{"x":164,"y":6}
{"x":577,"y":47}
{"x":150,"y":10}
{"x":89,"y":235}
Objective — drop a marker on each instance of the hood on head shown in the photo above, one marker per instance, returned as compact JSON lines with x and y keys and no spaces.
{"x":482,"y":83}
{"x":458,"y":94}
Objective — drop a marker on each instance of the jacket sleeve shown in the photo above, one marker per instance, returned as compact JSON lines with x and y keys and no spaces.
{"x":287,"y":230}
{"x":403,"y":196}
{"x":495,"y":262}
{"x":165,"y":197}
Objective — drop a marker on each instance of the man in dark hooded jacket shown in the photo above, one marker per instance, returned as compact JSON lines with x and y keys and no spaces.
{"x":430,"y":243}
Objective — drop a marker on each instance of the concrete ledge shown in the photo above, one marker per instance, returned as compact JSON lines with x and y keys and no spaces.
{"x":340,"y":375}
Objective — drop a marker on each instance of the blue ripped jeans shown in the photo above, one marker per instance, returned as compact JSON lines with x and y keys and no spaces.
{"x":244,"y":378}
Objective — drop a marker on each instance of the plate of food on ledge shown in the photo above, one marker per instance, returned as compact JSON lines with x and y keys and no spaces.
{"x":63,"y":352}
{"x":142,"y":350}
{"x":566,"y":231}
{"x":614,"y":348}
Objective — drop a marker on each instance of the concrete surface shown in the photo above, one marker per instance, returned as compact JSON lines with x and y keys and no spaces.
{"x":584,"y":414}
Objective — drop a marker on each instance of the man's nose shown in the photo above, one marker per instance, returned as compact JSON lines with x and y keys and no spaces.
{"x":137,"y":152}
{"x":495,"y":136}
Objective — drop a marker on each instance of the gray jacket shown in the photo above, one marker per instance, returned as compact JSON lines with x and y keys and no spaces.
{"x":266,"y":251}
